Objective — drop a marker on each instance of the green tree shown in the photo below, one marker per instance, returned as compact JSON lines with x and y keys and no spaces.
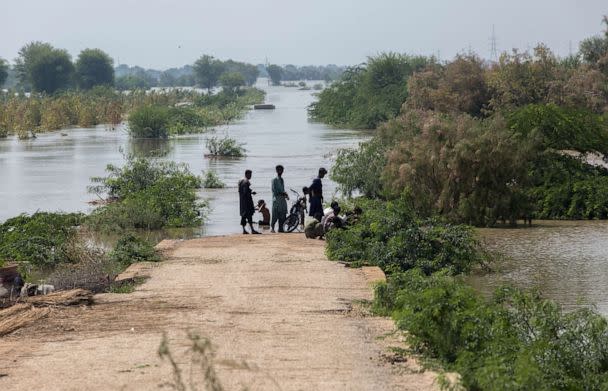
{"x":232,"y":81}
{"x":94,"y":67}
{"x":3,"y":71}
{"x":28,"y":55}
{"x":276,"y":74}
{"x":207,"y":71}
{"x":44,"y":68}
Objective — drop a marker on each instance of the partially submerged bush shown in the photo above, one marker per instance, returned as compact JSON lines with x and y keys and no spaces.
{"x":393,"y":237}
{"x":224,"y":147}
{"x":149,"y":122}
{"x":131,"y":249}
{"x":41,"y":239}
{"x":212,"y":181}
{"x":516,"y":341}
{"x":150,"y":195}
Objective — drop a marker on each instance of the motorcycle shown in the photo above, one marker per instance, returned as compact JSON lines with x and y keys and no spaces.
{"x":296,"y":213}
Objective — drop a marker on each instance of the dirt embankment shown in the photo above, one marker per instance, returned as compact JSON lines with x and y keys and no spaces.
{"x":280,"y":315}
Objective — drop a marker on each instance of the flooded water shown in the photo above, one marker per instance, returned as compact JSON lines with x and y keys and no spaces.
{"x":52,"y":172}
{"x":566,"y":260}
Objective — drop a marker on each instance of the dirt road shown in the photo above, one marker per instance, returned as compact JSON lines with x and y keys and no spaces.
{"x":280,"y":315}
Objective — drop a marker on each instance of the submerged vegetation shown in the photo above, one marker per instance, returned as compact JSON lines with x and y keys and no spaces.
{"x":147,"y":194}
{"x":224,"y":147}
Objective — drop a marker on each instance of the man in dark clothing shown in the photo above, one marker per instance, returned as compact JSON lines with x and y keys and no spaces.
{"x":316,"y":194}
{"x":246,"y":202}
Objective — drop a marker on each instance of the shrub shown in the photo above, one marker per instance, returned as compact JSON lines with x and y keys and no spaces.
{"x":515,"y":341}
{"x":131,"y":249}
{"x":41,"y":239}
{"x":224,"y":146}
{"x":393,"y":237}
{"x":149,"y":122}
{"x":212,"y":181}
{"x":149,"y":195}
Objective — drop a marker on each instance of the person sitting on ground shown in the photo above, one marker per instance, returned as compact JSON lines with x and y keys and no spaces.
{"x":332,"y":219}
{"x":314,"y":228}
{"x":265,"y":213}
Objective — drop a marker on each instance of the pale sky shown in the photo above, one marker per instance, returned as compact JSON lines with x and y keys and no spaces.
{"x":166,"y":33}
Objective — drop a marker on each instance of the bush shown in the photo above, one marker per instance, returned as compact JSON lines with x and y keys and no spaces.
{"x":148,"y":195}
{"x":131,"y":249}
{"x":392,"y":236}
{"x":212,"y":181}
{"x":41,"y":239}
{"x":149,"y":122}
{"x":224,"y":147}
{"x":515,"y":341}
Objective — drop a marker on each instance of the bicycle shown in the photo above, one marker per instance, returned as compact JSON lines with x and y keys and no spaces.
{"x":296,"y":213}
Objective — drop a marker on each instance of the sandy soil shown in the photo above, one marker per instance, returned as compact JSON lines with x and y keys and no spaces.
{"x":280,"y":315}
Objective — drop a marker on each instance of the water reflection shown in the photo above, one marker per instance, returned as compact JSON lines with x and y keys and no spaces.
{"x":149,"y":147}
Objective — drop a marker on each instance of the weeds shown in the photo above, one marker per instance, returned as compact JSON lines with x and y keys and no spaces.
{"x":224,"y":147}
{"x":212,"y":181}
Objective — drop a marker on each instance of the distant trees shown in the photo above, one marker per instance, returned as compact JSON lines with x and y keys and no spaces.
{"x":207,"y":71}
{"x":232,"y":81}
{"x":44,"y":68}
{"x":275,"y":73}
{"x":94,"y":67}
{"x":3,"y":71}
{"x":369,"y":94}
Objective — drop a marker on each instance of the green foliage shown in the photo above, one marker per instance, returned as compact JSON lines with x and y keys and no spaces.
{"x":360,"y":169}
{"x":131,"y":249}
{"x":44,"y":68}
{"x":41,"y":239}
{"x":368,"y":95}
{"x":561,"y":128}
{"x":149,"y":195}
{"x":207,"y":71}
{"x":94,"y":67}
{"x":275,"y":73}
{"x":3,"y":71}
{"x":149,"y":122}
{"x":224,"y":147}
{"x":516,"y":341}
{"x":392,"y":236}
{"x":212,"y":181}
{"x":231,"y":81}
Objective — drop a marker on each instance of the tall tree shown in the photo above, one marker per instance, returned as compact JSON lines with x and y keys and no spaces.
{"x":3,"y":71}
{"x":207,"y":71}
{"x":276,"y":74}
{"x":43,"y":68}
{"x":94,"y":67}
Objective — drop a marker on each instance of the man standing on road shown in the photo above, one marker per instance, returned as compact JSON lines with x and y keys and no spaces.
{"x":316,"y":194}
{"x":246,"y":203}
{"x":279,"y":200}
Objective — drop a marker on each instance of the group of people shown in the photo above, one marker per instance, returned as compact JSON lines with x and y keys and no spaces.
{"x":279,"y":201}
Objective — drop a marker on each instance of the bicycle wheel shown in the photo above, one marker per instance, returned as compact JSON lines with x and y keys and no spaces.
{"x":291,"y":223}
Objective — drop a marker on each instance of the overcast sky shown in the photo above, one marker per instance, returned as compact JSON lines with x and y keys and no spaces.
{"x":167,"y":33}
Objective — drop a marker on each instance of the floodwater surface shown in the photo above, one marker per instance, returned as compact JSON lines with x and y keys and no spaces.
{"x":566,"y":260}
{"x":51,"y":172}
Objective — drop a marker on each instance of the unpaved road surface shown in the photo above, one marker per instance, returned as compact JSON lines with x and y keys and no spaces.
{"x":280,"y":315}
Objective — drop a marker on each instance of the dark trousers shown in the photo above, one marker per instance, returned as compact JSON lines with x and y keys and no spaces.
{"x":246,"y":219}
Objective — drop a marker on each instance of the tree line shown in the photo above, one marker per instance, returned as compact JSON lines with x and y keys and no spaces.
{"x":40,"y":67}
{"x":477,"y":142}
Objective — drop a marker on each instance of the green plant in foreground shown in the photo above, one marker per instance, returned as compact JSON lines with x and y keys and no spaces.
{"x":515,"y":341}
{"x":131,"y":249}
